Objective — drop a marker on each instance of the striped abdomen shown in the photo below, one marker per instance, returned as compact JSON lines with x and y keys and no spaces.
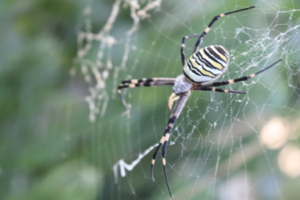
{"x":207,"y":64}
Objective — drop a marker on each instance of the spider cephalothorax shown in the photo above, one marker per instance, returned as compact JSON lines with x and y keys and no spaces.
{"x":200,"y":71}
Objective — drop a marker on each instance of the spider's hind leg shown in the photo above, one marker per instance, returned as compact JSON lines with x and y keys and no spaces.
{"x":207,"y":29}
{"x":244,"y":78}
{"x":213,"y":89}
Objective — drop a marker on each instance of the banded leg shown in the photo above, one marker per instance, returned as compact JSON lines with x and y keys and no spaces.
{"x":165,"y":138}
{"x":216,"y":90}
{"x":146,"y":82}
{"x":183,"y":47}
{"x":201,"y":36}
{"x":244,"y":78}
{"x":207,"y":29}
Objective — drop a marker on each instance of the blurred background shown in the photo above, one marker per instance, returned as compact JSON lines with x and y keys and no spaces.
{"x":65,"y":135}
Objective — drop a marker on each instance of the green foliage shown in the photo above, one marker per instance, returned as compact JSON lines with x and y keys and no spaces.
{"x":48,"y":147}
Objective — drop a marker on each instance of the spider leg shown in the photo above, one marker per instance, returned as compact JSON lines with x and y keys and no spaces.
{"x":183,"y":97}
{"x":244,"y":78}
{"x":146,"y":82}
{"x":207,"y":29}
{"x":183,"y":47}
{"x":201,"y":36}
{"x":216,"y":90}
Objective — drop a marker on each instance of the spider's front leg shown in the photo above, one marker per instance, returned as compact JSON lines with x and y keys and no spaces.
{"x":183,"y":97}
{"x":146,"y":82}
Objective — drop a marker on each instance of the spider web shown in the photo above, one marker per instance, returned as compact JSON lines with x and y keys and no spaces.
{"x":223,"y":146}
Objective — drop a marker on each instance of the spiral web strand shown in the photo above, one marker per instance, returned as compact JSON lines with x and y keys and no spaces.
{"x":218,"y":136}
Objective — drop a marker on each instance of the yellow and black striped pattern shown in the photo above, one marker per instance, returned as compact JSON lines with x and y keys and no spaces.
{"x":200,"y":72}
{"x":207,"y":64}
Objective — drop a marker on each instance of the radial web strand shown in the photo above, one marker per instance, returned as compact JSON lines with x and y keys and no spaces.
{"x":223,"y":146}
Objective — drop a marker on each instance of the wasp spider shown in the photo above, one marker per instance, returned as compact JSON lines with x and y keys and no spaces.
{"x":200,"y":71}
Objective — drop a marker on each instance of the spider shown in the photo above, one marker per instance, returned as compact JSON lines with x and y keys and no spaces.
{"x":200,"y":71}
